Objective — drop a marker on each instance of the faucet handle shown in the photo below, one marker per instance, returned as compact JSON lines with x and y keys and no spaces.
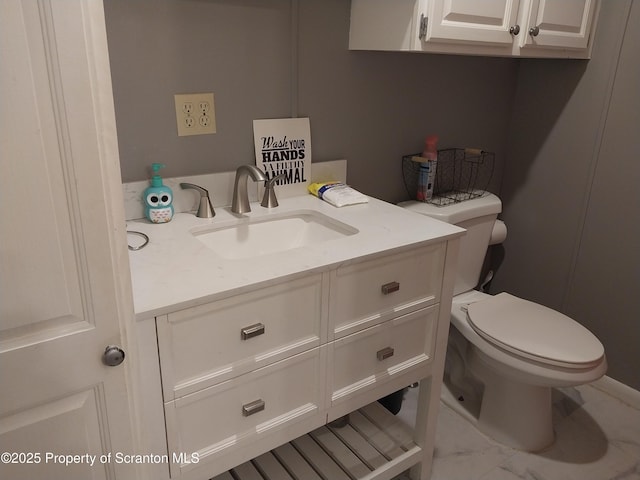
{"x":269,"y":199}
{"x":205,"y":209}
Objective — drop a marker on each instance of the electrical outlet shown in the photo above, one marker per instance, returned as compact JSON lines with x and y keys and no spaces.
{"x":195,"y":114}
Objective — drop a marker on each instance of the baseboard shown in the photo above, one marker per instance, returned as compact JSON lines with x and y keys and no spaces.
{"x":619,"y":390}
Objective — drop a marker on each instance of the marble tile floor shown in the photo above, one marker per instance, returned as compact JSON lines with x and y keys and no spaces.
{"x":597,"y":438}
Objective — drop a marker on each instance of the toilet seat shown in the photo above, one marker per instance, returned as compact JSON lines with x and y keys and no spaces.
{"x":535,"y":332}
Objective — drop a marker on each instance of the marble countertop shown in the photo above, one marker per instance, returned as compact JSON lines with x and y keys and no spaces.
{"x":176,"y":270}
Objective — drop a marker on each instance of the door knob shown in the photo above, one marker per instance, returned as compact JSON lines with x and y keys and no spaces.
{"x":534,"y":31}
{"x":113,"y":356}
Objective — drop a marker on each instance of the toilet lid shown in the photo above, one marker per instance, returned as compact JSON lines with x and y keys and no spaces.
{"x":534,"y":331}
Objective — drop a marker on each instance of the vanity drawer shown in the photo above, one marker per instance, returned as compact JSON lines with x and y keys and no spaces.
{"x":231,"y":415}
{"x":205,"y":345}
{"x":368,"y":293}
{"x":368,"y":359}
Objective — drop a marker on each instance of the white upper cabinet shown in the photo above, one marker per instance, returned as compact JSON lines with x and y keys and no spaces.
{"x":468,"y":21}
{"x":557,"y":24}
{"x":533,"y":28}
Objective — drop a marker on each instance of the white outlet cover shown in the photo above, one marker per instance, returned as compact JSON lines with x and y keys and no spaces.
{"x":195,"y":114}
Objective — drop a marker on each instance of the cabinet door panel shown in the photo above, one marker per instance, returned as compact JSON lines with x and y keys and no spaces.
{"x":472,"y":21}
{"x":559,"y":23}
{"x":367,"y":359}
{"x":202,"y":346}
{"x":371,"y":292}
{"x":220,"y":419}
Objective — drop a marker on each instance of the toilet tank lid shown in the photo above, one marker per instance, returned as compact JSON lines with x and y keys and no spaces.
{"x":455,"y":213}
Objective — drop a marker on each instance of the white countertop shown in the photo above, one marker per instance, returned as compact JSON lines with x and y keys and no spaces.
{"x":176,"y":271}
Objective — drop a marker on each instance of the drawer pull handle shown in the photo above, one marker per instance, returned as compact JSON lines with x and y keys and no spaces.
{"x":390,"y":287}
{"x":384,"y":353}
{"x":252,"y":331}
{"x":252,"y":407}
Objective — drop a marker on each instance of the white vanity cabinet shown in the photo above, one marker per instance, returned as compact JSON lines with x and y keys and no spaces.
{"x":246,"y":363}
{"x":527,"y":28}
{"x":250,"y":372}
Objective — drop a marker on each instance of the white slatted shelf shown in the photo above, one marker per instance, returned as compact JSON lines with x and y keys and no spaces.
{"x":296,"y":464}
{"x":373,"y":445}
{"x":269,"y":466}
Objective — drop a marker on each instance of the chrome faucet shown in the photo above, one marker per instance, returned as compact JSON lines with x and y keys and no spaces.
{"x":205,"y":209}
{"x":240,"y":203}
{"x":269,"y":199}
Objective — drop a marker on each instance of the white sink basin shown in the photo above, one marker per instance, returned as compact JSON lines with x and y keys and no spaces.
{"x":262,"y":236}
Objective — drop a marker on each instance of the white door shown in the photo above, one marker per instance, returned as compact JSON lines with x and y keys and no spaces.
{"x":64,"y":294}
{"x":558,"y":23}
{"x":487,"y":21}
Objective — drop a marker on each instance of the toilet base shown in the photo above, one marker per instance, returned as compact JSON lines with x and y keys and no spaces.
{"x":529,"y":430}
{"x":513,"y":413}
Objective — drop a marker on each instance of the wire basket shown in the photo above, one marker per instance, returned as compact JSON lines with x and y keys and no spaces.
{"x":461,"y":174}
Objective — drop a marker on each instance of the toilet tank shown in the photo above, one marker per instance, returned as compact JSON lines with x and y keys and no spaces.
{"x":477,"y":216}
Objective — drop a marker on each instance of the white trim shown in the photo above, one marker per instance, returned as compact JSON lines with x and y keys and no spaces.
{"x":619,"y":390}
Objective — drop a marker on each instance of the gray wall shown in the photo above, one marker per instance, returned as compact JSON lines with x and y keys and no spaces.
{"x":282,"y":58}
{"x":570,"y":189}
{"x":558,"y":128}
{"x":239,"y":50}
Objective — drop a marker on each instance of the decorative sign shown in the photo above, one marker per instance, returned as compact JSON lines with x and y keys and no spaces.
{"x":283,"y":147}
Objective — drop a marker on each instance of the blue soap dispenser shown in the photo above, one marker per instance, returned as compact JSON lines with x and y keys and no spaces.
{"x":158,"y":198}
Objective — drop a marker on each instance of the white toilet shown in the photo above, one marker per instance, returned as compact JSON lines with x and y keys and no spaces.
{"x":505,"y":353}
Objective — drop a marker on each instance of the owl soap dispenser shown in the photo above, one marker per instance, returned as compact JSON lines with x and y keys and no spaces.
{"x":157,"y":198}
